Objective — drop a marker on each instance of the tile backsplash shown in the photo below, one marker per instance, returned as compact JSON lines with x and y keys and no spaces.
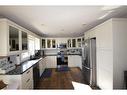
{"x":7,"y":64}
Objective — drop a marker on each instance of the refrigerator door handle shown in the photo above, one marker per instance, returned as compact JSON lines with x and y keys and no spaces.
{"x":87,"y":68}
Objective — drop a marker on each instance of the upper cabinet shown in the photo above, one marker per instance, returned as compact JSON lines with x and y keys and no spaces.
{"x":69,"y":43}
{"x":48,"y":43}
{"x":79,"y":42}
{"x":43,"y":43}
{"x":24,"y":41}
{"x":53,"y":43}
{"x":13,"y":38}
{"x":73,"y":42}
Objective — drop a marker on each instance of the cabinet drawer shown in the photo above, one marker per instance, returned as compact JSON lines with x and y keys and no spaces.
{"x":27,"y":78}
{"x":27,"y":74}
{"x":28,"y":84}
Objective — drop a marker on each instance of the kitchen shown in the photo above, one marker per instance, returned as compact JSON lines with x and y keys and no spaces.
{"x":36,"y":52}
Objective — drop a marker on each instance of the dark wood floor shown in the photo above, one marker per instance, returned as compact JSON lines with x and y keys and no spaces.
{"x":61,"y":80}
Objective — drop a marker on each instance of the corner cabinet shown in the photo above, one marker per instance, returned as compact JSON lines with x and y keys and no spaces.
{"x":48,"y":43}
{"x":13,"y":38}
{"x":75,"y":42}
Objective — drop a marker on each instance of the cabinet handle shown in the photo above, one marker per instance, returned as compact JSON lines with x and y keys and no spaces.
{"x":28,"y":80}
{"x":27,"y":72}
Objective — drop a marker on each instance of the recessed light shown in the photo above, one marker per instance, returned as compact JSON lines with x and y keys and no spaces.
{"x":83,"y":24}
{"x":42,"y":24}
{"x":109,"y":7}
{"x":62,"y":29}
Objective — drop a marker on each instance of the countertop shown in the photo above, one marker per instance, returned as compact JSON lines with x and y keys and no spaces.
{"x":23,"y":67}
{"x":20,"y":69}
{"x":64,"y":54}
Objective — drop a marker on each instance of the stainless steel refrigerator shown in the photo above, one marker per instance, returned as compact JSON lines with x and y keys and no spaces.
{"x":89,"y":61}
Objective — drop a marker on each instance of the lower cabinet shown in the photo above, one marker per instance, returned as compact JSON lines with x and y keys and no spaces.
{"x":42,"y":65}
{"x":21,"y":81}
{"x":51,"y":62}
{"x":27,"y":79}
{"x":75,"y":61}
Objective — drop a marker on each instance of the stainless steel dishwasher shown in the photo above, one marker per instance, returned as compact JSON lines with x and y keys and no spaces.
{"x":36,"y":74}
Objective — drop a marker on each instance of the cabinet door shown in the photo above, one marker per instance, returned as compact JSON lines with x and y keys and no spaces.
{"x":69,"y":42}
{"x":27,"y":79}
{"x":48,"y":43}
{"x":74,"y":61}
{"x":71,"y":62}
{"x":24,"y":41}
{"x":73,"y":42}
{"x":13,"y":38}
{"x":43,"y":43}
{"x":79,"y":42}
{"x":42,"y":66}
{"x":53,"y":43}
{"x":51,"y":62}
{"x":78,"y":61}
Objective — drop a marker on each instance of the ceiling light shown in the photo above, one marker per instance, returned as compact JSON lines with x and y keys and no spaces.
{"x":105,"y":15}
{"x":62,"y":29}
{"x":42,"y":24}
{"x":83,"y":24}
{"x":109,"y":7}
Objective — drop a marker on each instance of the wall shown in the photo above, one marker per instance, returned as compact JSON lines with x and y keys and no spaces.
{"x":104,"y":53}
{"x":120,"y":52}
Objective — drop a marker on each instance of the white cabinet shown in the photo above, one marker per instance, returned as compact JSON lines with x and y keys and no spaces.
{"x":42,"y":65}
{"x":21,"y":81}
{"x":51,"y":62}
{"x":74,"y":61}
{"x":6,"y":33}
{"x":13,"y":38}
{"x":27,"y":79}
{"x":111,"y":47}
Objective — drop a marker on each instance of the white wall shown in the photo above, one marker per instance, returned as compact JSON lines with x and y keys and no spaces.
{"x":104,"y":55}
{"x":120,"y":52}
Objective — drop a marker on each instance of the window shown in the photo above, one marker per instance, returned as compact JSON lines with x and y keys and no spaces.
{"x":31,"y":45}
{"x":37,"y":44}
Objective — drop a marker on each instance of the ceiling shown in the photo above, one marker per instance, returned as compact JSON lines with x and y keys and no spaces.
{"x":59,"y":21}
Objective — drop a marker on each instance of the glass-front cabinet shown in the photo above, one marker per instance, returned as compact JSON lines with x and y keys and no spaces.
{"x":73,"y":42}
{"x":48,"y":43}
{"x":43,"y":43}
{"x":13,"y":38}
{"x":69,"y":43}
{"x":53,"y":43}
{"x":24,"y":41}
{"x":79,"y":43}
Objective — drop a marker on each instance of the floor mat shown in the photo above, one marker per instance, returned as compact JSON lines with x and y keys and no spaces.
{"x":47,"y":73}
{"x":63,"y":69}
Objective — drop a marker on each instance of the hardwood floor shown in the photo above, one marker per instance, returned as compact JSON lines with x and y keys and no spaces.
{"x":61,"y":80}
